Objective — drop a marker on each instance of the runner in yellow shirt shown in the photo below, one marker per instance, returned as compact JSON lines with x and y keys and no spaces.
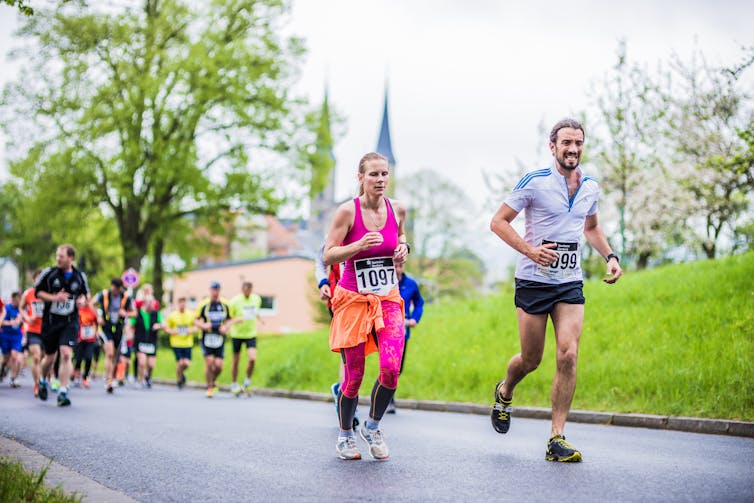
{"x":180,"y":326}
{"x":245,"y":309}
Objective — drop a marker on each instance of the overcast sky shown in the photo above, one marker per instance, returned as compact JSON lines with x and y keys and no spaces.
{"x":470,"y":80}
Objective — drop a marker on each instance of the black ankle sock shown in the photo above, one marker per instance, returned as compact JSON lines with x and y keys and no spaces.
{"x":346,"y":410}
{"x":381,"y":397}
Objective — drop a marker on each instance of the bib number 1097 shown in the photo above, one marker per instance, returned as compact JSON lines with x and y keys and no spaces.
{"x":375,"y":275}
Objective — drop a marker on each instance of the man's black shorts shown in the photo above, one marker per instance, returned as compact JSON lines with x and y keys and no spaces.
{"x":33,"y":338}
{"x":238,"y":343}
{"x":63,"y":334}
{"x":540,"y":298}
{"x":112,"y":333}
{"x":84,"y":350}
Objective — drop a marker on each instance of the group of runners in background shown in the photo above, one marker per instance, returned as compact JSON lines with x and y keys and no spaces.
{"x":60,"y":329}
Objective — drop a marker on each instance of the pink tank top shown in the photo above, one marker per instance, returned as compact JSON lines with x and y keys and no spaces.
{"x":389,"y":243}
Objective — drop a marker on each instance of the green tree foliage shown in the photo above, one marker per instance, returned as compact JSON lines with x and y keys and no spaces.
{"x":33,"y":226}
{"x":156,"y":114}
{"x":321,"y":160}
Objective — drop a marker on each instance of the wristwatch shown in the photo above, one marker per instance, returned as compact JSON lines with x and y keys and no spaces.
{"x":612,"y":255}
{"x":408,"y":246}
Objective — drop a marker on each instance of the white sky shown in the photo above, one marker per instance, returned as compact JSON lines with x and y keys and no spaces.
{"x":470,"y":80}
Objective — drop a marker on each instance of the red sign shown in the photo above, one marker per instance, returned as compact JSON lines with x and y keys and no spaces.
{"x":130,"y":278}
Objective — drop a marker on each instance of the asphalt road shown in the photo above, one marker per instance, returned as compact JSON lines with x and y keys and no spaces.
{"x":168,"y":445}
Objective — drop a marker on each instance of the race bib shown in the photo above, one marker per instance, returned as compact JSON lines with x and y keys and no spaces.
{"x":566,"y":266}
{"x":38,"y":308}
{"x":88,"y":333}
{"x":250,"y":313}
{"x":146,"y":347}
{"x":213,"y":341}
{"x":375,"y":275}
{"x":62,"y":308}
{"x":183,"y":330}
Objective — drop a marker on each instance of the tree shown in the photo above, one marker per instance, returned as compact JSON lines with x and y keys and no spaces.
{"x":33,"y":227}
{"x":159,"y":113}
{"x":438,"y":219}
{"x":710,"y":123}
{"x":627,"y":147}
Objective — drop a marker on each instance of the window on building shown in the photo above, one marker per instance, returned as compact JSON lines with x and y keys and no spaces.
{"x":269,"y":306}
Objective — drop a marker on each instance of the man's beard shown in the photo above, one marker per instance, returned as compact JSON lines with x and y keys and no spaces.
{"x":562,"y":160}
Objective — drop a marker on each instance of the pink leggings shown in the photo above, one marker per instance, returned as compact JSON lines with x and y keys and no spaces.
{"x":390,"y":341}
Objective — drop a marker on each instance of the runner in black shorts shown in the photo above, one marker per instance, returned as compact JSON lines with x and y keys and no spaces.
{"x":214,"y":317}
{"x":59,"y":287}
{"x":113,"y":306}
{"x":146,"y":326}
{"x":561,"y":205}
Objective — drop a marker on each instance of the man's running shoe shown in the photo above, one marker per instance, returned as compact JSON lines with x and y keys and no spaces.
{"x":501,"y":411}
{"x":560,"y":450}
{"x":13,"y":383}
{"x":211,"y":391}
{"x":182,"y":381}
{"x":377,"y":445}
{"x":55,"y":384}
{"x":346,"y":448}
{"x":148,"y":381}
{"x":63,"y":400}
{"x":43,"y":390}
{"x":235,"y":389}
{"x":109,"y":387}
{"x":247,"y":387}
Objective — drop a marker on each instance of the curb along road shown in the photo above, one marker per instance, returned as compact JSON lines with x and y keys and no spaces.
{"x":676,"y":423}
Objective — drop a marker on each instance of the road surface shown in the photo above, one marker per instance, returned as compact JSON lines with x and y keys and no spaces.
{"x":168,"y":445}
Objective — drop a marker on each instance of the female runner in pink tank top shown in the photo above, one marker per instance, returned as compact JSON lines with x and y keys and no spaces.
{"x":368,"y":235}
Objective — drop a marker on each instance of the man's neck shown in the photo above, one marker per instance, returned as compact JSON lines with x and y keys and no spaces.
{"x":570,"y":175}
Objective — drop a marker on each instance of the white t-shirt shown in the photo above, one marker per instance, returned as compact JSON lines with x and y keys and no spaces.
{"x":550,"y":216}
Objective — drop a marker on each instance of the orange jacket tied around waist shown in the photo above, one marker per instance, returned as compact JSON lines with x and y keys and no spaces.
{"x":355,"y":315}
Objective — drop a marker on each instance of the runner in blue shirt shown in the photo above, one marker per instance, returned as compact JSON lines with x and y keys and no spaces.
{"x":11,"y":339}
{"x":560,"y":205}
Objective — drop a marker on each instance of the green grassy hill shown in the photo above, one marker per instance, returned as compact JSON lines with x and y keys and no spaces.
{"x":675,"y":340}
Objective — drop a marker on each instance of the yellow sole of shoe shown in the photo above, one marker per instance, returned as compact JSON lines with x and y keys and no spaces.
{"x":574,"y":458}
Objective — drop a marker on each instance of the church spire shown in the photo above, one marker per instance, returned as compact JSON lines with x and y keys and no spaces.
{"x":384,"y":145}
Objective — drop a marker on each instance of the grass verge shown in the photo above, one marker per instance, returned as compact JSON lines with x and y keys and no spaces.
{"x":676,"y":340}
{"x":17,"y":484}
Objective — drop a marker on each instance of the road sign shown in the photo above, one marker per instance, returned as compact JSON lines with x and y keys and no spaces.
{"x":130,"y":278}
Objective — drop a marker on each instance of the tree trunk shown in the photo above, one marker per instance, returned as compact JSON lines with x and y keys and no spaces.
{"x":709,"y":249}
{"x":158,"y":272}
{"x":643,"y":260}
